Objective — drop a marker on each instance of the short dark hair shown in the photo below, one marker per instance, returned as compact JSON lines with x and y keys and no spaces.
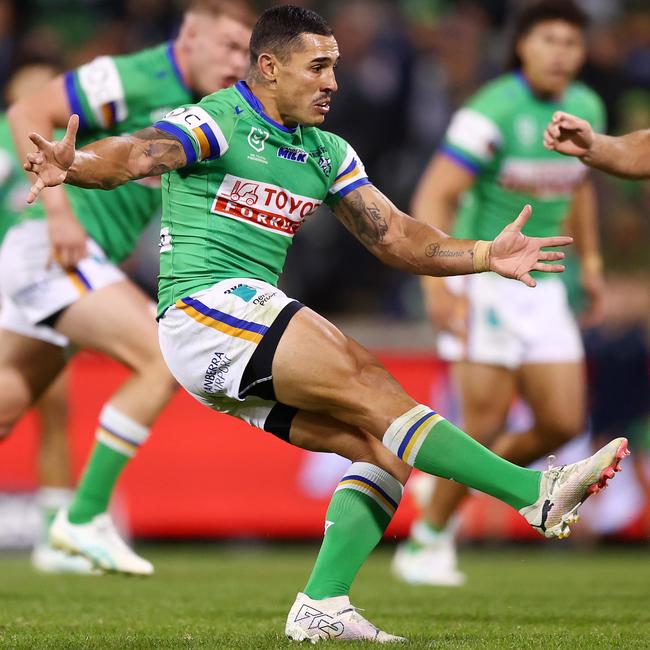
{"x":540,"y":12}
{"x":278,"y":30}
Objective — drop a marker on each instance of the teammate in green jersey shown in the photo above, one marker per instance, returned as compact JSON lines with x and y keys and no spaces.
{"x":84,"y":297}
{"x":500,"y":340}
{"x":627,"y":155}
{"x":248,"y":166}
{"x":55,"y":489}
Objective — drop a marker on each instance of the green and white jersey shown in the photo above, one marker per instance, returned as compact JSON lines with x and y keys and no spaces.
{"x":248,"y":186}
{"x":13,"y":182}
{"x":114,"y":96}
{"x":497,"y":135}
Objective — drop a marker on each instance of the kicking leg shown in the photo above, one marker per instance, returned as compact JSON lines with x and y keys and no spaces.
{"x":352,"y":386}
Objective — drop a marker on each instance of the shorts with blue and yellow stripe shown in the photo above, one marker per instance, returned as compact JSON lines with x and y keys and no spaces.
{"x":219,"y":343}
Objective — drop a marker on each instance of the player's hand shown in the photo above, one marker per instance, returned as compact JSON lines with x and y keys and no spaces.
{"x":447,"y":311}
{"x":593,"y":284}
{"x":513,"y":255}
{"x":51,"y":160}
{"x":68,"y":241}
{"x":568,"y":134}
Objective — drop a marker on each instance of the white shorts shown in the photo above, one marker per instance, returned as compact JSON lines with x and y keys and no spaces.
{"x":32,"y":289}
{"x":510,"y":324}
{"x":219,"y":343}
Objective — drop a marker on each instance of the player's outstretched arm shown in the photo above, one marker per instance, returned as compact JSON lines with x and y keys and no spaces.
{"x":627,"y":156}
{"x":415,"y":247}
{"x":104,"y":164}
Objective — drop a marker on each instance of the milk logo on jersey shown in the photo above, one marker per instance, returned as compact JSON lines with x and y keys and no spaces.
{"x":262,"y":205}
{"x":257,"y":138}
{"x":165,"y":242}
{"x":293,"y":154}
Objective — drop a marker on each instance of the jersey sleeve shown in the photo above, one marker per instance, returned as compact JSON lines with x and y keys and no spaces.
{"x":350,"y":174}
{"x":199,"y":133}
{"x":96,"y":93}
{"x":473,"y":136}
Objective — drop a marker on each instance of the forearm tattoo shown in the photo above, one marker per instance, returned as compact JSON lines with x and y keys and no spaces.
{"x":163,"y":150}
{"x":435,"y":250}
{"x":365,"y":220}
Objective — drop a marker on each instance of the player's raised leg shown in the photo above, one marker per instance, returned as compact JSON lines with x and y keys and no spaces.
{"x":361,"y":508}
{"x":317,"y":368}
{"x":429,"y":555}
{"x":97,"y":321}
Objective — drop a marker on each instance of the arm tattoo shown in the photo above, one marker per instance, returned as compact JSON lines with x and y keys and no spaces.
{"x":163,"y":150}
{"x":365,"y":220}
{"x":435,"y":250}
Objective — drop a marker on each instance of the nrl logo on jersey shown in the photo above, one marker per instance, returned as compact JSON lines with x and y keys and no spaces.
{"x":257,"y":138}
{"x":262,"y":205}
{"x":295,"y":155}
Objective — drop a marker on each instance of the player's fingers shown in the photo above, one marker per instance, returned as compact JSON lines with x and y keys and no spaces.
{"x":35,"y":190}
{"x":522,"y":217}
{"x":543,"y":242}
{"x":550,"y":256}
{"x":71,"y":130}
{"x":36,"y":158}
{"x":527,"y":279}
{"x":39,"y":141}
{"x":548,"y":268}
{"x":558,"y":115}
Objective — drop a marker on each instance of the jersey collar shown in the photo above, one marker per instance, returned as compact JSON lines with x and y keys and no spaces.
{"x":171,"y":55}
{"x":521,"y":78}
{"x":256,"y":105}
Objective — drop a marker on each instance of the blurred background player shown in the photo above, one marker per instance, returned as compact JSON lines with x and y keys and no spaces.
{"x":60,"y":282}
{"x":501,"y":339}
{"x":53,"y":453}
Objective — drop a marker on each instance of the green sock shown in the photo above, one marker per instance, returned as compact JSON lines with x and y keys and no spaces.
{"x":118,"y":438}
{"x":425,"y":440}
{"x":97,"y":483}
{"x":361,"y":508}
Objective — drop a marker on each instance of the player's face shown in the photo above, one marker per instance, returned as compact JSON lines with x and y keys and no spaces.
{"x":552,"y":53}
{"x":306,"y":81}
{"x":219,"y":53}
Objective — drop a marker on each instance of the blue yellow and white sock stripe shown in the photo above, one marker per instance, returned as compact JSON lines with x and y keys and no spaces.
{"x":408,"y":432}
{"x":120,"y":432}
{"x":376,"y":483}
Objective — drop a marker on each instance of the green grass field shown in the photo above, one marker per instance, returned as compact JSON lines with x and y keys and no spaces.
{"x":207,"y":596}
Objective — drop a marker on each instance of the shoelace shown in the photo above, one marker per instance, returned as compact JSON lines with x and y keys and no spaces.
{"x":108,"y":528}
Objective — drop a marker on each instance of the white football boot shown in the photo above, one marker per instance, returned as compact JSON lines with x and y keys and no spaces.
{"x":564,"y":489}
{"x":99,"y":541}
{"x":333,"y":619}
{"x":428,"y":558}
{"x":50,"y":560}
